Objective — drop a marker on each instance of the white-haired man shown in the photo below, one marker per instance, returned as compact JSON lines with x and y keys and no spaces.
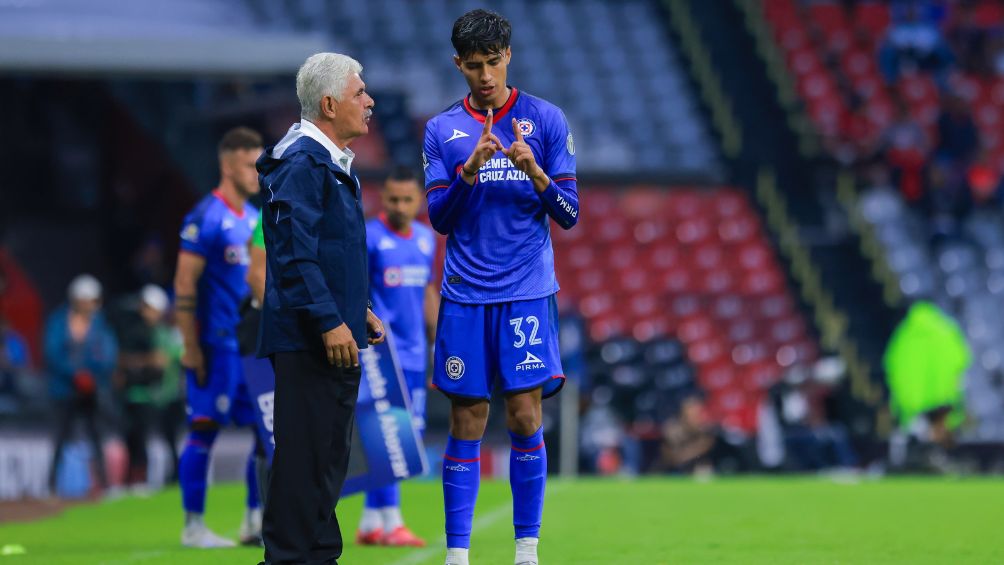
{"x":314,"y":316}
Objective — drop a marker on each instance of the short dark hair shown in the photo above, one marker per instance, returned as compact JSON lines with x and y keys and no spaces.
{"x":402,"y":173}
{"x":239,"y":138}
{"x":480,"y":31}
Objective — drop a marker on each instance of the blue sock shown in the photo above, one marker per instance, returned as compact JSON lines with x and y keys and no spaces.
{"x":383,"y":497}
{"x":251,"y":479}
{"x":461,"y":479}
{"x":527,"y":476}
{"x":193,"y":469}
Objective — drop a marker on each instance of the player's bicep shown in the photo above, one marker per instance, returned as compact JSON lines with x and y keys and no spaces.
{"x":559,"y":160}
{"x":189,"y":271}
{"x":196,"y":236}
{"x":436,"y":173}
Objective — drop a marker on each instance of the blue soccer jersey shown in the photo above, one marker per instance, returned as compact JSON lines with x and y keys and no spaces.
{"x":220,"y":235}
{"x":400,"y":269}
{"x":499,"y":242}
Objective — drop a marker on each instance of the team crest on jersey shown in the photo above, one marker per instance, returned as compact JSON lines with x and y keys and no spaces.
{"x":236,"y":255}
{"x":526,"y":126}
{"x":223,"y":403}
{"x":570,"y":144}
{"x":190,"y":233}
{"x":455,"y":367}
{"x":392,"y":276}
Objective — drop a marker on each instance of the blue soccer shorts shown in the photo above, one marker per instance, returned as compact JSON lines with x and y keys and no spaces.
{"x":514,"y":342}
{"x":224,"y":396}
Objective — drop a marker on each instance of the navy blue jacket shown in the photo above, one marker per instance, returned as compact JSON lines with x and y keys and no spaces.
{"x":315,"y":241}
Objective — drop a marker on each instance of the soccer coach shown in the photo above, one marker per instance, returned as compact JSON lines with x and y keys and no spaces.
{"x":314,"y":317}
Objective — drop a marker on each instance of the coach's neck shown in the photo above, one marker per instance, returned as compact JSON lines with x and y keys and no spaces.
{"x":341,"y":139}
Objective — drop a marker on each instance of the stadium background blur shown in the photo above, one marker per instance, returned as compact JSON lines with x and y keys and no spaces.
{"x":767,"y":187}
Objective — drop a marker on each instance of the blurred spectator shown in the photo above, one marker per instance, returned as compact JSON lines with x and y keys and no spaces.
{"x":812,"y":441}
{"x":80,"y":355}
{"x":958,"y":139}
{"x":968,"y":38}
{"x":906,"y":147}
{"x":914,"y":43}
{"x":688,"y":440}
{"x":14,"y":361}
{"x":607,"y":448}
{"x":141,"y":369}
{"x":924,"y":364}
{"x":168,"y":398}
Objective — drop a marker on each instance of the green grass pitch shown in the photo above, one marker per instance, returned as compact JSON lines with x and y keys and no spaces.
{"x":650,"y":521}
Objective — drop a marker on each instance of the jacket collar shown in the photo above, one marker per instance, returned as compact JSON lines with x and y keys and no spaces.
{"x":312,"y":148}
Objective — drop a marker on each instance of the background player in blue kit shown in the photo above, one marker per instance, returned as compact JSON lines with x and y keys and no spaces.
{"x":401,"y":254}
{"x":499,"y":164}
{"x":210,"y":286}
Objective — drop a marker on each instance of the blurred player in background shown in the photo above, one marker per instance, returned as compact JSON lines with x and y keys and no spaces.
{"x":401,"y":253}
{"x":498,"y":165}
{"x":209,"y":285}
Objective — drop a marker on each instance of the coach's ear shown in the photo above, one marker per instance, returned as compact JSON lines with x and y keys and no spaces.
{"x":328,"y":107}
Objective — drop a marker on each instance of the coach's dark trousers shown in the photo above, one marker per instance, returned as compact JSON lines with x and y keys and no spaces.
{"x":314,"y":409}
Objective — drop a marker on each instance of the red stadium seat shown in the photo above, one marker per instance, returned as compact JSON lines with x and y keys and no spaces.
{"x":649,"y":328}
{"x":873,"y":17}
{"x":716,"y":377}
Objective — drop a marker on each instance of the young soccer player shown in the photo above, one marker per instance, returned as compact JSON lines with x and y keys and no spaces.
{"x":499,"y":165}
{"x":210,"y":286}
{"x":401,"y":253}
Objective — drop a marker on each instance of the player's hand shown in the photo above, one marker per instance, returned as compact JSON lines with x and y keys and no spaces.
{"x":374,"y":328}
{"x":488,"y":145}
{"x":340,"y":347}
{"x":193,"y":360}
{"x":521,"y":155}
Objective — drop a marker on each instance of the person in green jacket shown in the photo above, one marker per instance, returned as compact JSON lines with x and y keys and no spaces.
{"x":925,"y":362}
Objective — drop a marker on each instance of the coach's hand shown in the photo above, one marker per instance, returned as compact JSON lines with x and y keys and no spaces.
{"x":522,"y":157}
{"x":341,"y":347}
{"x":193,"y":360}
{"x":374,"y":328}
{"x":488,"y":145}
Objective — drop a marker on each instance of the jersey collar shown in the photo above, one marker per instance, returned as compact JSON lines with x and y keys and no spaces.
{"x":480,"y":115}
{"x":238,"y":213}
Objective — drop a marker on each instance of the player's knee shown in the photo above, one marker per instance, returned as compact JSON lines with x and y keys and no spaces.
{"x":468,"y":420}
{"x":523,"y":419}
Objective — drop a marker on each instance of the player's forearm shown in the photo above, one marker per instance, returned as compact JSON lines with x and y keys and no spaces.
{"x":561,"y":200}
{"x":446,"y":204}
{"x":188,"y":326}
{"x":256,"y":274}
{"x":186,"y":302}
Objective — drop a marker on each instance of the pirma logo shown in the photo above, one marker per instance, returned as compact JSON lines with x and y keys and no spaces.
{"x":455,"y":367}
{"x":527,"y":457}
{"x":531,"y":362}
{"x":457,"y":467}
